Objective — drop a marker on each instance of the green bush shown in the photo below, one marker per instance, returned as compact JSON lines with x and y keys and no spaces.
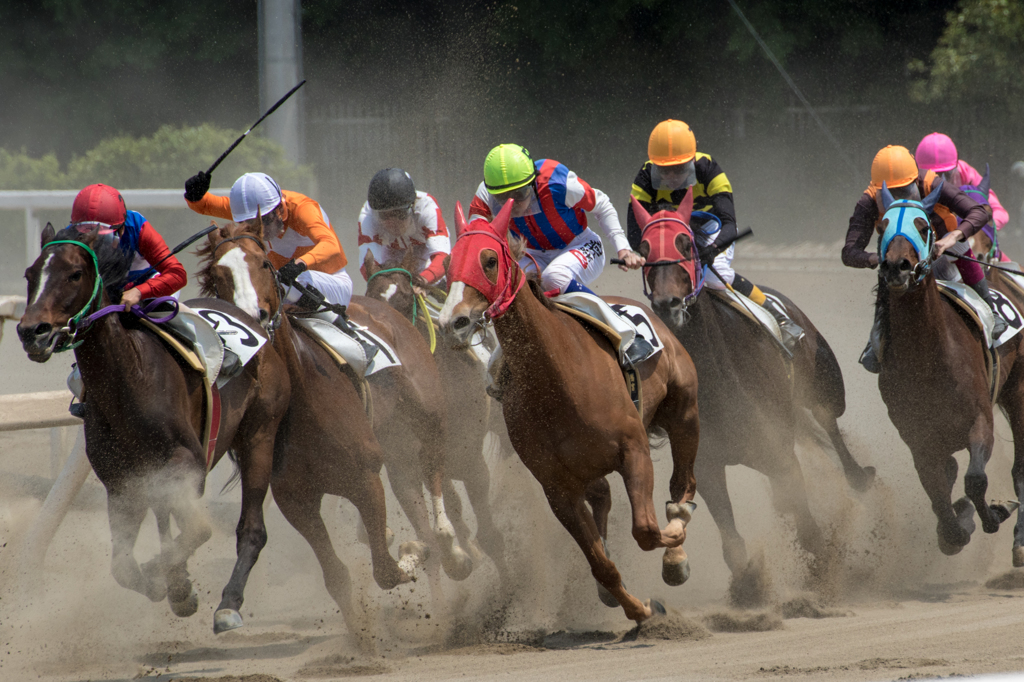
{"x":164,"y":160}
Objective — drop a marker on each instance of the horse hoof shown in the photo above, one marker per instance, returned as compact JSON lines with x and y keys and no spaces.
{"x":411,"y":555}
{"x":185,"y":607}
{"x":458,"y":565}
{"x":657,"y":608}
{"x":949,"y":549}
{"x":606,"y":597}
{"x":1018,"y":557}
{"x":675,"y":574}
{"x":226,"y":619}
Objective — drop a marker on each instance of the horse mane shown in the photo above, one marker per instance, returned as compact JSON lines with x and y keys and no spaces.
{"x":516,"y":245}
{"x":112,"y":260}
{"x":207,"y":286}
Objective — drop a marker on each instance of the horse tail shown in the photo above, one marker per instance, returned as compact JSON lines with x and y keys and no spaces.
{"x":829,"y":389}
{"x":236,"y":475}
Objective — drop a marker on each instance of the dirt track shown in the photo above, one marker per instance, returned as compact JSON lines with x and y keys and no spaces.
{"x":896,"y":607}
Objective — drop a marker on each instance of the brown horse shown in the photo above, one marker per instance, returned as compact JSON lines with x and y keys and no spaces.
{"x":329,"y":445}
{"x":464,"y":394}
{"x":567,"y":408}
{"x":935,"y":382}
{"x":749,"y":402}
{"x":144,"y":413}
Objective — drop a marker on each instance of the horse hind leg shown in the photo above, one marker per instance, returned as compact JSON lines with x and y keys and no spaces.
{"x":714,"y":489}
{"x":955,"y":524}
{"x":859,"y":478}
{"x":1013,"y":402}
{"x":678,"y":416}
{"x":981,"y":440}
{"x":408,"y":489}
{"x":599,"y":496}
{"x":478,"y":488}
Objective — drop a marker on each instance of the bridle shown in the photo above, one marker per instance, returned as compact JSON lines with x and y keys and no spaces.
{"x":697,"y":279}
{"x":274,"y":322}
{"x":926,"y":259}
{"x":505,"y":297}
{"x":417,"y":300}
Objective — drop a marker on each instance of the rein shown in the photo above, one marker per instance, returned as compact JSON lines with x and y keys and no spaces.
{"x":417,"y":300}
{"x":697,"y":285}
{"x":388,"y":271}
{"x":275,"y":320}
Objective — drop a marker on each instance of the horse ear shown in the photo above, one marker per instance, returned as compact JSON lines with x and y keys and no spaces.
{"x":47,"y":236}
{"x":370,"y":264}
{"x":500,"y":222}
{"x":460,"y":220}
{"x":929,"y":201}
{"x":639,"y":212}
{"x":685,"y":209}
{"x":886,"y":195}
{"x":983,"y":187}
{"x":447,"y":263}
{"x":256,"y":226}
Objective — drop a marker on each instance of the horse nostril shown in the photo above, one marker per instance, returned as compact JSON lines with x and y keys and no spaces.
{"x":264,"y":315}
{"x":460,"y":322}
{"x":905,"y":265}
{"x":675,"y":302}
{"x":30,"y":333}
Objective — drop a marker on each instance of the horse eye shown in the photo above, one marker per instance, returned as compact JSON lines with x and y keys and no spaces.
{"x":75,"y":276}
{"x":492,"y":262}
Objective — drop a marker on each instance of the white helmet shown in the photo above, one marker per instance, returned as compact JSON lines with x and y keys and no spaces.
{"x":254,"y":193}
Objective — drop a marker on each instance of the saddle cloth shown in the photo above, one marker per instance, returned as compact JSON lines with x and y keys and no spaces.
{"x":348,"y":348}
{"x":753,"y":311}
{"x":621,"y":323}
{"x":965,"y":298}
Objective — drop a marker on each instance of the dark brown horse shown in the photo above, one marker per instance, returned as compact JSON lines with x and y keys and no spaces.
{"x":935,"y":382}
{"x":464,"y":394}
{"x":328,"y":443}
{"x":144,"y":416}
{"x":749,"y":401}
{"x":567,"y":408}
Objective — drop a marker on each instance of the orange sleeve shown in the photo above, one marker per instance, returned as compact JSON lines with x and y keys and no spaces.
{"x":307,"y":218}
{"x":212,"y":205}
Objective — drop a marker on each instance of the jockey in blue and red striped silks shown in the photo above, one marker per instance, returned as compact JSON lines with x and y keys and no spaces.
{"x":550,"y":213}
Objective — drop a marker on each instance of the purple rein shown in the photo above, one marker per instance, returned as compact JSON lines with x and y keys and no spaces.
{"x":138,"y":311}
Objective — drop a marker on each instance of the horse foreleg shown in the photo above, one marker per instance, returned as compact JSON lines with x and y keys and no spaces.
{"x":859,"y":478}
{"x":599,"y":496}
{"x":937,"y":475}
{"x":366,"y":492}
{"x":638,"y":475}
{"x":572,"y":513}
{"x":981,"y":440}
{"x":408,"y":489}
{"x":789,"y":496}
{"x":1013,"y":402}
{"x":714,"y":489}
{"x":477,"y":478}
{"x":126,"y":512}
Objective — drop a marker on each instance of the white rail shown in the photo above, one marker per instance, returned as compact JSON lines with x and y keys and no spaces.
{"x":31,"y":200}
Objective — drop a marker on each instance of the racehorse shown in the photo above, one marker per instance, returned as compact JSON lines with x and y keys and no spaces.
{"x":464,"y":392}
{"x":749,"y":393}
{"x":328,"y":442}
{"x":985,"y":242}
{"x":144,"y":415}
{"x":935,"y":382}
{"x":568,"y":411}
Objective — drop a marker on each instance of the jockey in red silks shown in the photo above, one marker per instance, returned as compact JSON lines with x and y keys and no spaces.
{"x":397,"y":219}
{"x":549,"y":213}
{"x":895,"y":167}
{"x":154,"y":272}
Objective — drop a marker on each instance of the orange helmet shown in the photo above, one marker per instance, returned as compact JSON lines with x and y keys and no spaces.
{"x":671,"y":143}
{"x":894,"y":166}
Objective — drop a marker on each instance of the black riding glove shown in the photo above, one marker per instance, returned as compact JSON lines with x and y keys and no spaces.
{"x":290,"y":270}
{"x":197,"y":186}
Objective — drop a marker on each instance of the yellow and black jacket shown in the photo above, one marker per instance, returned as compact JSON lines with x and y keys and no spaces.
{"x":712,"y":193}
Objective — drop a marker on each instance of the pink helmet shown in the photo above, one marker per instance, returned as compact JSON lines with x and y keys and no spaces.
{"x":936,"y":153}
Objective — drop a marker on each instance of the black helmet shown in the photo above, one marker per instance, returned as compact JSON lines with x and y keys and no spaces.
{"x":391,"y":188}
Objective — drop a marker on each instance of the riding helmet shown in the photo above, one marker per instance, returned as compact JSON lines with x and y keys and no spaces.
{"x":936,"y":152}
{"x":100,"y":204}
{"x":508,"y":167}
{"x":671,"y":143}
{"x":391,"y":188}
{"x":894,"y":166}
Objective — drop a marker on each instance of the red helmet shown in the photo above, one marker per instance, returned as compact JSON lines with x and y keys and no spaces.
{"x":99,"y":204}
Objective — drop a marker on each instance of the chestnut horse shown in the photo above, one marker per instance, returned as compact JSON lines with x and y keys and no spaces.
{"x":144,"y":414}
{"x":749,"y":402}
{"x":464,"y":393}
{"x":329,"y":445}
{"x":935,"y":382}
{"x":568,"y":411}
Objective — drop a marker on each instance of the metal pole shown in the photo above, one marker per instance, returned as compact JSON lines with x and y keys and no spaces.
{"x":31,"y":237}
{"x":280,"y":62}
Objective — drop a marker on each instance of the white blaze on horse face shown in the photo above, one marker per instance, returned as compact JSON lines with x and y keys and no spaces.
{"x":389,"y":292}
{"x":454,"y":299}
{"x":245,"y":292}
{"x":44,"y":276}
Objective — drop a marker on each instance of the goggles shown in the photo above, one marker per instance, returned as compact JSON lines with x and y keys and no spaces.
{"x":393,"y":214}
{"x":671,"y":178}
{"x":87,"y":226}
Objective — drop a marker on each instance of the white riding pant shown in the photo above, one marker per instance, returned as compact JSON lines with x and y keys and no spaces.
{"x":723,"y":264}
{"x":336,"y":287}
{"x":582,"y":260}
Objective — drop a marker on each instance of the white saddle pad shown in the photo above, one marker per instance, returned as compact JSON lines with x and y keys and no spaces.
{"x":213,"y":330}
{"x":349,"y":348}
{"x":629,"y":321}
{"x":1014,"y":321}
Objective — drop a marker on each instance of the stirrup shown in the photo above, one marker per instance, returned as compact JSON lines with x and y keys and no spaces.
{"x":639,"y":350}
{"x":77,"y":410}
{"x":999,"y":324}
{"x":869,"y":360}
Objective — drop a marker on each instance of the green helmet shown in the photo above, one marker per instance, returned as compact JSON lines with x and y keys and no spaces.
{"x":508,"y":167}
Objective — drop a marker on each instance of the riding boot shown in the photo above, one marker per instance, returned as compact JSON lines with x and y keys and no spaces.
{"x":342,"y":322}
{"x":77,"y":391}
{"x":999,"y":322}
{"x":868,"y":358}
{"x":791,"y":331}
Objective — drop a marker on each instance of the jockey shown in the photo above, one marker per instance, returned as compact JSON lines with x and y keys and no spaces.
{"x":936,"y":152}
{"x":674,"y":166}
{"x":549,"y":213}
{"x":302,"y":245}
{"x":154,"y":272}
{"x":894,"y":166}
{"x":396,"y":219}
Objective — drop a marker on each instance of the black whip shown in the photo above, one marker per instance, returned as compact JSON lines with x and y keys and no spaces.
{"x":269,"y":112}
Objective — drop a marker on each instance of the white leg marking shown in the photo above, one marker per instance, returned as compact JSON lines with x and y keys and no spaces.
{"x":442,"y":525}
{"x":43,"y":278}
{"x":245,"y":292}
{"x":454,"y":299}
{"x":389,"y":292}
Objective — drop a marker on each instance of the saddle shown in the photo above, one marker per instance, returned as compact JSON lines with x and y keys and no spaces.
{"x":753,"y":312}
{"x":346,"y":350}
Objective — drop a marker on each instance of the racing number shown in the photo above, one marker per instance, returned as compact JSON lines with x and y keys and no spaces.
{"x":1007,"y":310}
{"x":637,"y":319}
{"x":215,"y":318}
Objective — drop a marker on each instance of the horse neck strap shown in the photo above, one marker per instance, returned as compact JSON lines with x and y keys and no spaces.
{"x":388,"y":271}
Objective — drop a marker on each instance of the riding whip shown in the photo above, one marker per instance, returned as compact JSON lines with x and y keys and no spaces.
{"x":987,"y":265}
{"x":269,"y":112}
{"x":185,"y":244}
